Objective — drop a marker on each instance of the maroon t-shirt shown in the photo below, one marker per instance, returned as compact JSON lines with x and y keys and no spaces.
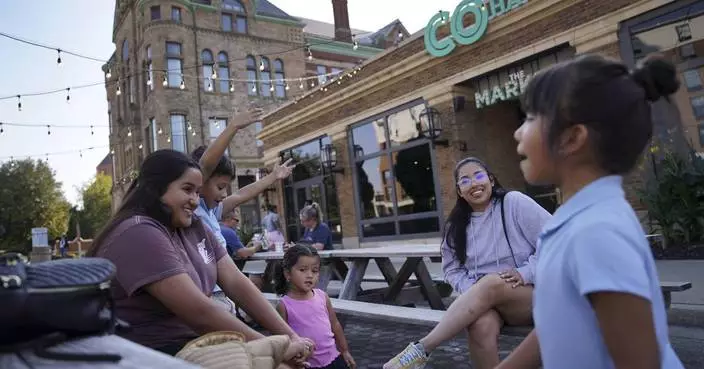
{"x":145,"y":251}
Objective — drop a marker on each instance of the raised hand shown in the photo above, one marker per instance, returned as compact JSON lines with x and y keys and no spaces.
{"x":284,"y":170}
{"x":241,"y":120}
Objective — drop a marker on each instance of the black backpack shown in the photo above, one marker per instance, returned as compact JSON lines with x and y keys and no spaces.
{"x":48,"y":303}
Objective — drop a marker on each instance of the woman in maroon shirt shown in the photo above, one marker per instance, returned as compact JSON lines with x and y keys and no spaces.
{"x":168,"y":263}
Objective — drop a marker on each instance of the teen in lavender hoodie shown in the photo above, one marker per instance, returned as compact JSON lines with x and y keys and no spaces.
{"x":493,"y":270}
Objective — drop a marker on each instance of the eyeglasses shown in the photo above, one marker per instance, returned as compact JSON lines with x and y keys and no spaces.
{"x":476,"y":177}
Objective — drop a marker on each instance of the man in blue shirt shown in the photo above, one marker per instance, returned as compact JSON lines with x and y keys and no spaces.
{"x":235,"y":248}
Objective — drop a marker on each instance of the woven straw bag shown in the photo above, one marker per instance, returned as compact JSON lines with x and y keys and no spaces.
{"x":228,"y":350}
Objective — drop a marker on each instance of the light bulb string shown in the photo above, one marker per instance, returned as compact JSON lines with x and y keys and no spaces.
{"x":44,"y":125}
{"x":165,"y":72}
{"x":53,"y":153}
{"x":116,"y":82}
{"x":60,"y":50}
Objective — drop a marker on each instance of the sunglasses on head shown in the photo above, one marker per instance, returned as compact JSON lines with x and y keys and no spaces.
{"x":467,"y":181}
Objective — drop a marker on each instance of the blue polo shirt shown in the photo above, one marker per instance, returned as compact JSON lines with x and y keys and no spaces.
{"x":232,"y":240}
{"x":211,"y":219}
{"x":320,"y":234}
{"x":593,"y":243}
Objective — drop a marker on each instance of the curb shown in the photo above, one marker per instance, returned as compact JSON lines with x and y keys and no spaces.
{"x":686,"y":315}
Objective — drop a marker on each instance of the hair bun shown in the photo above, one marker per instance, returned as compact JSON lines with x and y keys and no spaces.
{"x":657,"y":76}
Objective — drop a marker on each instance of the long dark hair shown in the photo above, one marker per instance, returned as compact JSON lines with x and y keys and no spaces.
{"x":455,"y":231}
{"x":290,"y":259}
{"x":143,"y":197}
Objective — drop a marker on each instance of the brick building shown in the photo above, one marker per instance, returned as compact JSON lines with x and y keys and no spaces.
{"x":105,"y":166}
{"x":391,"y":177}
{"x":181,"y":67}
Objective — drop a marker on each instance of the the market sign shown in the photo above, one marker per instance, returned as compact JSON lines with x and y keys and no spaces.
{"x":508,"y":91}
{"x":459,"y":33}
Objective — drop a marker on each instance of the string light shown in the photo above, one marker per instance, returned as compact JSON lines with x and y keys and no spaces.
{"x":129,"y":132}
{"x":48,"y":130}
{"x":168,"y":139}
{"x":140,"y":146}
{"x":272,"y":86}
{"x":117,"y":91}
{"x":254,"y":88}
{"x":310,"y":54}
{"x":1,"y":129}
{"x":108,"y":75}
{"x":356,"y":45}
{"x":58,"y":59}
{"x":112,"y":151}
{"x":215,"y":73}
{"x":47,"y":154}
{"x":286,"y":88}
{"x":232,"y":87}
{"x":91,"y":130}
{"x":149,"y":79}
{"x":160,"y":131}
{"x":183,"y":84}
{"x":80,"y":153}
{"x":210,"y":86}
{"x":19,"y":103}
{"x":68,"y":95}
{"x":301,"y":83}
{"x":165,"y":82}
{"x":261,"y":65}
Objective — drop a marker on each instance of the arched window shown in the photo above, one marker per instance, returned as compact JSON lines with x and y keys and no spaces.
{"x":125,"y":50}
{"x":223,"y":72}
{"x":234,"y":16}
{"x":206,"y":58}
{"x":233,"y":5}
{"x":265,"y":77}
{"x":279,"y":78}
{"x":251,"y":76}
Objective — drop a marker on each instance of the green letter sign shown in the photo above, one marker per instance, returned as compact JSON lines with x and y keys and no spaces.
{"x":459,"y":33}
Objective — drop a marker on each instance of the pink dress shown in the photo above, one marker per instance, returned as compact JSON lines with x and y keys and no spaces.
{"x":310,"y":319}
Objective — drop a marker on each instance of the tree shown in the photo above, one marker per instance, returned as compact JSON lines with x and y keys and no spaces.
{"x":30,"y":197}
{"x":96,"y":205}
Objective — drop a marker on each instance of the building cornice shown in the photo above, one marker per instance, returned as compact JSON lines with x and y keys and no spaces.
{"x":337,"y":47}
{"x":588,"y":34}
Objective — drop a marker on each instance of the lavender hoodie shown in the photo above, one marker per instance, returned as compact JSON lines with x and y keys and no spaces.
{"x":487,"y":249}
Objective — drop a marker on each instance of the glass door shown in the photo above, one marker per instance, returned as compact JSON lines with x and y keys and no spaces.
{"x":306,"y":192}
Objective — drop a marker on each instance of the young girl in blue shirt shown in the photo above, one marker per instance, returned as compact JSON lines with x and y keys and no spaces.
{"x":597,"y":299}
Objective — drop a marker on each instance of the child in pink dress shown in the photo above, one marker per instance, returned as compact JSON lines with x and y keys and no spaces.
{"x":308,"y":310}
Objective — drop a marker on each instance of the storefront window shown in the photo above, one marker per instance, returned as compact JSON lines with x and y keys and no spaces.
{"x":395,"y":176}
{"x":310,"y":182}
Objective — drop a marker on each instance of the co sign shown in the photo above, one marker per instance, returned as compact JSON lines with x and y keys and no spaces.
{"x":459,"y":33}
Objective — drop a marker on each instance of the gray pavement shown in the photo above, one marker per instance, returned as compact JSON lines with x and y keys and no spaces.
{"x":374,"y":342}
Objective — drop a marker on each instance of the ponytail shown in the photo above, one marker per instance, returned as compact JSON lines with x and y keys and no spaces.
{"x":312,"y":211}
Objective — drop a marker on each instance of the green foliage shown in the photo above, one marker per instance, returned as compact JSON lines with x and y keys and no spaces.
{"x":96,"y":205}
{"x":30,"y":197}
{"x":675,"y":199}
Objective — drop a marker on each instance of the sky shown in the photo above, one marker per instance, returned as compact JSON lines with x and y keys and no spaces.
{"x":85,"y":27}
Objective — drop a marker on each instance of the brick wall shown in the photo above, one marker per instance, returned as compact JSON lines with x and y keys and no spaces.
{"x":462,"y":58}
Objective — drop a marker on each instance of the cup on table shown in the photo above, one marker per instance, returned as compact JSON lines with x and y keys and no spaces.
{"x":279,"y":246}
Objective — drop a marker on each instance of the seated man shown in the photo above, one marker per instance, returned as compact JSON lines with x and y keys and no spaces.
{"x":235,"y":248}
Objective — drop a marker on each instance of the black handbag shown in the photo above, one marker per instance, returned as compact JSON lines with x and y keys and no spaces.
{"x":48,"y":303}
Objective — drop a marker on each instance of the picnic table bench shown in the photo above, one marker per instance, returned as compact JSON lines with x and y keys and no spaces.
{"x":430,"y":318}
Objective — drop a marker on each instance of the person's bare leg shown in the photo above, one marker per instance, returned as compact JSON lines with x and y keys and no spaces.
{"x":483,"y":340}
{"x":482,"y":296}
{"x":518,"y":311}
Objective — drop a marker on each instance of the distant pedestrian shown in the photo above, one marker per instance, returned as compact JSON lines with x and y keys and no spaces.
{"x":63,"y":246}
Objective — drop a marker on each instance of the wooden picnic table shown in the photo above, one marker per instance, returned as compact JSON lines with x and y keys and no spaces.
{"x":334,"y":265}
{"x":133,"y":356}
{"x":413,"y":264}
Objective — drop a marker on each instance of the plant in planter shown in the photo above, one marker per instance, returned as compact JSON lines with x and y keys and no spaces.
{"x":675,"y":199}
